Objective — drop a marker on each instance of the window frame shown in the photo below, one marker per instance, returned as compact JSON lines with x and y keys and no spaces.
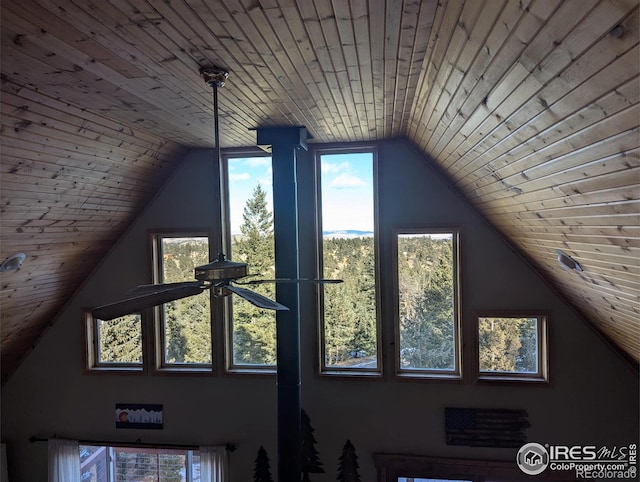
{"x":92,"y":363}
{"x":160,"y":366}
{"x":322,"y":368}
{"x":457,"y":374}
{"x":230,"y":366}
{"x":541,"y":376}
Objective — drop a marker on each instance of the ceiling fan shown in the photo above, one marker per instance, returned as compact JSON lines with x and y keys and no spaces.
{"x":217,"y":275}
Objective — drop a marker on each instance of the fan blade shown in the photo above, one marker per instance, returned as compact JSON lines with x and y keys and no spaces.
{"x":145,"y":300}
{"x":257,"y":299}
{"x":156,"y":288}
{"x":289,"y":280}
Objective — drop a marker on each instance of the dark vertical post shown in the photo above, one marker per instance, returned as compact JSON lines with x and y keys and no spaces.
{"x":284,"y":143}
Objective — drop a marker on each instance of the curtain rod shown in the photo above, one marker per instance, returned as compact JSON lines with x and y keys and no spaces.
{"x":138,"y":443}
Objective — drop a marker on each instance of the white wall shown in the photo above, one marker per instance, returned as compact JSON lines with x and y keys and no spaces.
{"x":593,"y":397}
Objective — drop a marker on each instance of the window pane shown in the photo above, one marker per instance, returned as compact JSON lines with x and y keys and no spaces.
{"x":149,"y":465}
{"x":348,"y":253}
{"x":426,"y":301}
{"x":120,"y":340}
{"x":186,"y":322}
{"x":253,"y":330}
{"x":94,"y":464}
{"x":508,"y":345}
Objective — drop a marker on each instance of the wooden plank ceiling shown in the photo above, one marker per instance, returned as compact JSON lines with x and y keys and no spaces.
{"x":530,"y":107}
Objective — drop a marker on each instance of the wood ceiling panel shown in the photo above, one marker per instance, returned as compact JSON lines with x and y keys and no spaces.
{"x":70,"y":182}
{"x":529,"y":107}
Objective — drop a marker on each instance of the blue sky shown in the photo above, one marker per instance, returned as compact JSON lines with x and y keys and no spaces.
{"x":347,"y":189}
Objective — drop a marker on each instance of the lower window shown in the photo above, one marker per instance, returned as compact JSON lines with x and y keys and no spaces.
{"x":126,"y":464}
{"x":114,"y":345}
{"x":511,"y":346}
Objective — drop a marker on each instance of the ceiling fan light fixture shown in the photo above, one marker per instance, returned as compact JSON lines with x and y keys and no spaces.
{"x":567,"y":262}
{"x":12,"y":263}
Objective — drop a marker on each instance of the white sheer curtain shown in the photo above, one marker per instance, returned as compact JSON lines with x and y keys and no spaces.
{"x":64,"y":460}
{"x":214,"y":465}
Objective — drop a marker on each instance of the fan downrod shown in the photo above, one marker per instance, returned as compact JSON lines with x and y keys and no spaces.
{"x":214,"y":76}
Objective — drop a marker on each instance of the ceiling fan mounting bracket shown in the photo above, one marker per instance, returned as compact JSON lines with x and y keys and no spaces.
{"x":214,"y":76}
{"x":221,"y":291}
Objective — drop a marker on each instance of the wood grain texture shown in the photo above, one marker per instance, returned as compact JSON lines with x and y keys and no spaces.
{"x":531,"y":108}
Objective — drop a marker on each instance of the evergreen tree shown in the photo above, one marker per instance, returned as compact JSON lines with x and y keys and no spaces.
{"x":508,"y":344}
{"x":121,"y":339}
{"x":262,"y":471}
{"x":187,"y":322}
{"x":348,"y":467}
{"x":254,"y":330}
{"x":426,"y":290}
{"x":499,"y":341}
{"x":308,"y":453}
{"x":528,"y":353}
{"x":349,"y":308}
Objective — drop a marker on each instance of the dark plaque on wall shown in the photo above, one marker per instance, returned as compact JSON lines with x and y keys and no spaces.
{"x":486,"y":427}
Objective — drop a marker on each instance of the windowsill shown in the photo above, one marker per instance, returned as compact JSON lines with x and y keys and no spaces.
{"x":251,"y":371}
{"x":184,"y":370}
{"x":511,"y":378}
{"x":133,"y":370}
{"x":353,"y":373}
{"x":429,"y":376}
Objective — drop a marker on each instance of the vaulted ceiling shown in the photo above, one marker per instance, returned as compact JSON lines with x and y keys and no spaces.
{"x":530,"y":107}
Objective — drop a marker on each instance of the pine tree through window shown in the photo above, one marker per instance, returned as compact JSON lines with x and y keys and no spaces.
{"x":251,"y":330}
{"x":349,"y":318}
{"x":511,"y":346}
{"x":114,"y":345}
{"x":184,"y":338}
{"x":427,"y":328}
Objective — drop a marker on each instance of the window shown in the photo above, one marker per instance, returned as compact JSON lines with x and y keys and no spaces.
{"x":183,"y":327}
{"x":114,"y":345}
{"x":511,"y":346}
{"x":349,"y":311}
{"x":251,"y":331}
{"x":124,"y":464}
{"x":427,"y":312}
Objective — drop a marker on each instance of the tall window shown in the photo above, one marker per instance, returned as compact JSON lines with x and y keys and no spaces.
{"x":251,"y":330}
{"x":427,"y":328}
{"x":184,"y":334}
{"x":349,"y":318}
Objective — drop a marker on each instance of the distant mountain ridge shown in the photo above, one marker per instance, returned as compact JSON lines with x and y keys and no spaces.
{"x":347,"y":233}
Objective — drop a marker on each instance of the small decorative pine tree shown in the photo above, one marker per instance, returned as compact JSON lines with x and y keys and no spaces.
{"x":348,"y":467}
{"x":262,"y":472}
{"x":310,"y":464}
